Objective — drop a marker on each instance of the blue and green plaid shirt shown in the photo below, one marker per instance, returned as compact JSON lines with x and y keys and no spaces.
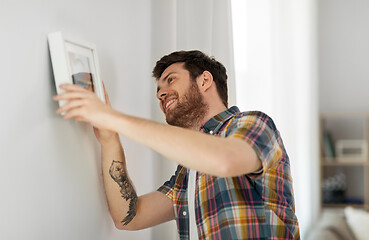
{"x":259,"y":205}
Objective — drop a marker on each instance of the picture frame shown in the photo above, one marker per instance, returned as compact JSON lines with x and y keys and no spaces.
{"x":75,"y":61}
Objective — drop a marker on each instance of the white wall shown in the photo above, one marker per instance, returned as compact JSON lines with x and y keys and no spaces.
{"x":50,"y":176}
{"x":344,"y":55}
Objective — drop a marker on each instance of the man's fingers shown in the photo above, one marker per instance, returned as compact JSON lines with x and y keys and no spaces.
{"x":106,"y":96}
{"x":70,"y":95}
{"x":72,"y":87}
{"x":70,"y":105}
{"x":74,"y":113}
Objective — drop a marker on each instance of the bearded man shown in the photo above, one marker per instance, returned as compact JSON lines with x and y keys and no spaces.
{"x":233,"y":179}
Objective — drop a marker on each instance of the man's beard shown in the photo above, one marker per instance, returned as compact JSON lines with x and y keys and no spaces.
{"x":189,"y":111}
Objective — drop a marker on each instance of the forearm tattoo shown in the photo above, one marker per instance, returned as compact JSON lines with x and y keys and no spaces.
{"x":118,"y":173}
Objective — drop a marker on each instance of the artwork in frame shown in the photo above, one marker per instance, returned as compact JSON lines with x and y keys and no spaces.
{"x":75,"y":61}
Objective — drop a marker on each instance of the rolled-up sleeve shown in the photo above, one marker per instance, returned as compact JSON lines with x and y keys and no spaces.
{"x":259,"y":131}
{"x":168,"y":186}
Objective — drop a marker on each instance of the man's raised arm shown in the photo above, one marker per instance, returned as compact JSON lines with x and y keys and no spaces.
{"x":223,"y":157}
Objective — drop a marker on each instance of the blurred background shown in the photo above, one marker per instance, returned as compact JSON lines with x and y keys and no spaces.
{"x":303,"y":62}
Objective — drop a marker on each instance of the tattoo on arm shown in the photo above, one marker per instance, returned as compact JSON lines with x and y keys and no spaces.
{"x":118,"y":173}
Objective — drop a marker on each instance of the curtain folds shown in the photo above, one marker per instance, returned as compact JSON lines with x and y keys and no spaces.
{"x":204,"y":25}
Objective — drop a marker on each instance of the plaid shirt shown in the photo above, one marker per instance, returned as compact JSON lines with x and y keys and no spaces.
{"x":258,"y":205}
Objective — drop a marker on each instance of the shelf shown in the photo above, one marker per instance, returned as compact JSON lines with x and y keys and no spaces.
{"x":340,"y":126}
{"x":339,"y":162}
{"x":343,"y":205}
{"x":353,"y":114}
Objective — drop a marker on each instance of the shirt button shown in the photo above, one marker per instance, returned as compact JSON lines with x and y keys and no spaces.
{"x":184,"y":213}
{"x":211,"y":132}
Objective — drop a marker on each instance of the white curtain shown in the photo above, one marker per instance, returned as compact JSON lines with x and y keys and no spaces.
{"x":275,"y":69}
{"x":185,"y":25}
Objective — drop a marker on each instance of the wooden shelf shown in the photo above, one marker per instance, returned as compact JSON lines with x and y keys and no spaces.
{"x":344,"y":126}
{"x":343,"y":205}
{"x":343,"y":162}
{"x":353,"y":114}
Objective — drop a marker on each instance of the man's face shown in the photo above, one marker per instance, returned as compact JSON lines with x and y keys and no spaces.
{"x":180,"y":98}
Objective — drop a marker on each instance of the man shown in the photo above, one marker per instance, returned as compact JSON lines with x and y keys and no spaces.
{"x":243,"y":185}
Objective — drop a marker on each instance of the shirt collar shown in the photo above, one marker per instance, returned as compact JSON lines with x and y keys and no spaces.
{"x":215,"y":123}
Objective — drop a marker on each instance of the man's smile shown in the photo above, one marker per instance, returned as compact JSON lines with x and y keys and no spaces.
{"x":168,"y":102}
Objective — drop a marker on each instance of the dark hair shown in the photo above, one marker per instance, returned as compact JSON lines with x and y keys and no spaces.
{"x":196,"y":63}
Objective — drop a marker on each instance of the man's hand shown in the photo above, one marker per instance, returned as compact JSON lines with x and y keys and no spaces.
{"x":105,"y":136}
{"x":84,"y":105}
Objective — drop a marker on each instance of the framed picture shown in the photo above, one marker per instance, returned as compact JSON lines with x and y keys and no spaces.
{"x":75,"y":61}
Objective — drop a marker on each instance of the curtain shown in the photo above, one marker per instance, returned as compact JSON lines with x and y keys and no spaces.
{"x":275,"y":69}
{"x":204,"y":25}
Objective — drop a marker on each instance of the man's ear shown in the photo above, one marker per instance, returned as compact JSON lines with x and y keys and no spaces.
{"x":206,"y":81}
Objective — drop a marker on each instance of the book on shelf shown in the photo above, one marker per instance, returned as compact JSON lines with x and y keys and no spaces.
{"x":328,"y":145}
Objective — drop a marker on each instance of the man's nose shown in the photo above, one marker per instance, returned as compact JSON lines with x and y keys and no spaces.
{"x":161,"y":94}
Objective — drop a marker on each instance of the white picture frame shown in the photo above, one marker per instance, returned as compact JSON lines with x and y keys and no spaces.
{"x":75,"y":61}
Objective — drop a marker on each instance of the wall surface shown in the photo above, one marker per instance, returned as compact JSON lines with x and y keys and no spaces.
{"x":344,"y":55}
{"x":50,"y":175}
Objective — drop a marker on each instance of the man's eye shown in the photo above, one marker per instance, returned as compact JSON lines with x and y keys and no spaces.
{"x":170,"y":80}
